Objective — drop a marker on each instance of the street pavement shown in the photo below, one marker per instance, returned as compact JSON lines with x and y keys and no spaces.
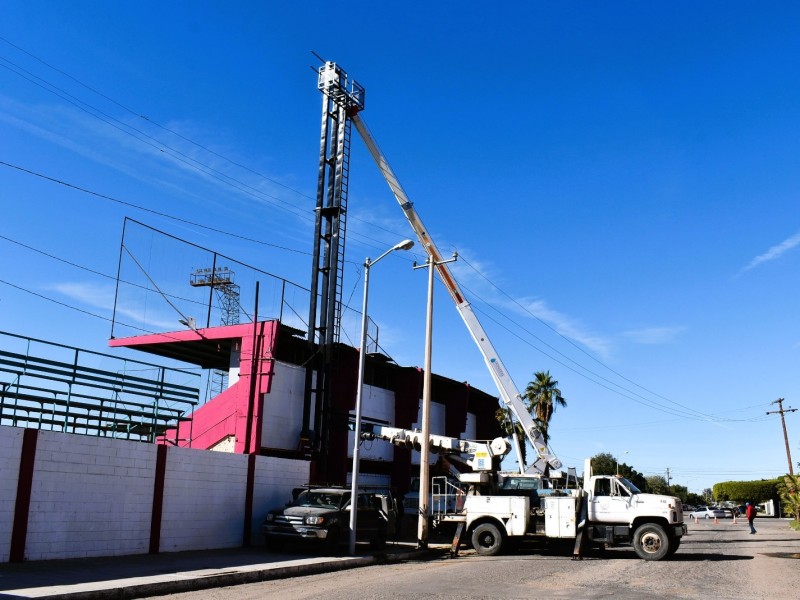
{"x":139,"y":576}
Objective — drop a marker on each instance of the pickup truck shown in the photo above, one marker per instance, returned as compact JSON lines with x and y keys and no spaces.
{"x":322,"y":515}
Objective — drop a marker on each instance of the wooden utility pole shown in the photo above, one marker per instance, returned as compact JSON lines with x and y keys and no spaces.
{"x":781,"y":412}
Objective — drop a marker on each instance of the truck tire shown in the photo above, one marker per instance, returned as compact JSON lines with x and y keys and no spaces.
{"x":378,"y":542}
{"x":332,"y":541}
{"x":487,"y":539}
{"x":273,"y":544}
{"x":651,"y":542}
{"x":674,"y":544}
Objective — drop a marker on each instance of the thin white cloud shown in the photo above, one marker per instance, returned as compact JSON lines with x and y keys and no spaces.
{"x":475,"y":275}
{"x":775,"y":252}
{"x":653,"y":335}
{"x":102,"y":297}
{"x":568,"y":327}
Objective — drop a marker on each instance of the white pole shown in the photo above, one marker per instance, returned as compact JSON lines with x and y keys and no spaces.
{"x":362,"y":359}
{"x":362,"y":355}
{"x":424,"y":467}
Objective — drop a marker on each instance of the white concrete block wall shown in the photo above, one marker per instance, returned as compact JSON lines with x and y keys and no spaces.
{"x":274,"y":480}
{"x":90,"y":497}
{"x":204,"y":494}
{"x":283,"y":407}
{"x":377,"y":403}
{"x":10,"y":450}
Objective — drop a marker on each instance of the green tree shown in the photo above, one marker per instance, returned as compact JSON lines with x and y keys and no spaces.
{"x":789,"y":490}
{"x":681,"y":491}
{"x":606,"y":463}
{"x":543,"y":396}
{"x":512,"y":427}
{"x":657,"y":484}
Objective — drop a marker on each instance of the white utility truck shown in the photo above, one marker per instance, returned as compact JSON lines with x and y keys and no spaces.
{"x":498,"y":508}
{"x":606,"y":510}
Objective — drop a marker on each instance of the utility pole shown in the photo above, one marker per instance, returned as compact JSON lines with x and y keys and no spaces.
{"x":667,"y":477}
{"x":781,"y":412}
{"x":424,"y":455}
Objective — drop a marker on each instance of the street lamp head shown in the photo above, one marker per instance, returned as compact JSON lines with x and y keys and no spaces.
{"x":404,"y":245}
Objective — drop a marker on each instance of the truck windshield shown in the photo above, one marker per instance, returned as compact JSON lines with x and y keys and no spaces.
{"x":319,"y":499}
{"x":632,"y":488}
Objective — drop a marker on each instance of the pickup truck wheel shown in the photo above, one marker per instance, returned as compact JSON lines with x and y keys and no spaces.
{"x":487,"y":539}
{"x":274,"y":544}
{"x":378,"y":542}
{"x":651,"y":542}
{"x":332,"y":541}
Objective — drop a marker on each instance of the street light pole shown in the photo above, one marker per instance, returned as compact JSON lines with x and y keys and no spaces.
{"x":362,"y":355}
{"x":626,"y":452}
{"x":424,"y":456}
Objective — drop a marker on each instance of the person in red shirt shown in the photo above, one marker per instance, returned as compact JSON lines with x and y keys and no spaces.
{"x":750,"y":514}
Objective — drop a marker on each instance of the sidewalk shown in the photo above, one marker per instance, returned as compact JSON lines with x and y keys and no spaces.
{"x":168,"y":573}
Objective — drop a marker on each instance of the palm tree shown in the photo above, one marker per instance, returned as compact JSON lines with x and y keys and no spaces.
{"x":543,"y":397}
{"x":511,"y":427}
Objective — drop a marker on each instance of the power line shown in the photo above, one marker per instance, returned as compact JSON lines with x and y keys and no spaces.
{"x":161,"y":146}
{"x":149,"y":210}
{"x":151,"y":121}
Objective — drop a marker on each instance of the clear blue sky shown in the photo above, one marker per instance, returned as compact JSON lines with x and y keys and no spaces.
{"x":620,"y":180}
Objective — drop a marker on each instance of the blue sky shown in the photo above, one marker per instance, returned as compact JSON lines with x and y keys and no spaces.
{"x":620,"y":182}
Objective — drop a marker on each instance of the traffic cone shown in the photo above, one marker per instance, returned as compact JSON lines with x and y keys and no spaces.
{"x":715,"y":521}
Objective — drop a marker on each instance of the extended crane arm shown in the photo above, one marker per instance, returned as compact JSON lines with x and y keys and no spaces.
{"x":508,"y":391}
{"x":334,"y":83}
{"x":480,"y":456}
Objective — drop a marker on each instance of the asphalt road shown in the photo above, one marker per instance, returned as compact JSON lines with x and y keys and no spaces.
{"x":714,"y":561}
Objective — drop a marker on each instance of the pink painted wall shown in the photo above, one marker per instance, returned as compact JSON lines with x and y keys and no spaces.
{"x":226,"y":414}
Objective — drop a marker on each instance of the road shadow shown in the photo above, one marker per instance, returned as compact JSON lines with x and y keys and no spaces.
{"x":621,"y":553}
{"x":736,"y":541}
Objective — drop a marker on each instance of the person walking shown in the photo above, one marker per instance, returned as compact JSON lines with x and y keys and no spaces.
{"x":750,"y":513}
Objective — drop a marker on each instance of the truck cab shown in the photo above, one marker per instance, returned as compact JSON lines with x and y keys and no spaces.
{"x":619,"y":513}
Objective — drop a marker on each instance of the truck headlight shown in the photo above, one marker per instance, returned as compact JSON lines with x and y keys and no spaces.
{"x":315,"y":520}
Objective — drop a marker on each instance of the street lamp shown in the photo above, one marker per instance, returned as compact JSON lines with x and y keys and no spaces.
{"x":404,"y":245}
{"x":624,"y":453}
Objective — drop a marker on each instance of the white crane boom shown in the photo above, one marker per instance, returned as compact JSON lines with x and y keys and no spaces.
{"x":480,"y":456}
{"x":508,"y":391}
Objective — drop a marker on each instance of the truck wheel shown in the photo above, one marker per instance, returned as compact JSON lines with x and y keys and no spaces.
{"x":378,"y":542}
{"x":651,"y":542}
{"x":273,"y":544}
{"x":332,"y":541}
{"x":487,"y":539}
{"x":674,"y":544}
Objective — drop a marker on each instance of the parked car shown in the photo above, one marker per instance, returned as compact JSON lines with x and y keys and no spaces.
{"x":709,"y":512}
{"x":323,"y":515}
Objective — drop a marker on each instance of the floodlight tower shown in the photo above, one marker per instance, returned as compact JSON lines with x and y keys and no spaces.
{"x":221,"y":281}
{"x":341,"y":98}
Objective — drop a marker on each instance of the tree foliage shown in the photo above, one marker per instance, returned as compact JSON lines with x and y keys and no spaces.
{"x":606,"y":463}
{"x":789,"y":490}
{"x":657,"y":484}
{"x":746,"y":491}
{"x":543,"y":396}
{"x":512,"y":427}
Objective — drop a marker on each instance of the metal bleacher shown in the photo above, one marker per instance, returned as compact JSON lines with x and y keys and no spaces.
{"x":51,"y":386}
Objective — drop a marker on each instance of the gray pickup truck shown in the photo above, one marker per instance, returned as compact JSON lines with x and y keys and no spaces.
{"x":322,"y":515}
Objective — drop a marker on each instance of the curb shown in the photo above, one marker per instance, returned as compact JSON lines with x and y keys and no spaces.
{"x":193,"y":584}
